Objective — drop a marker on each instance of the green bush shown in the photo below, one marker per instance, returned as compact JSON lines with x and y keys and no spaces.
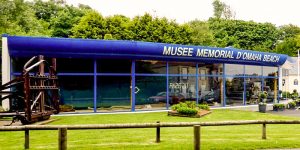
{"x":177,"y":106}
{"x":286,"y":94}
{"x":187,"y":111}
{"x":292,"y":104}
{"x":204,"y":106}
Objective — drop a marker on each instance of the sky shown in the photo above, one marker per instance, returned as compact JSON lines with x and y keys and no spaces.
{"x":278,"y":12}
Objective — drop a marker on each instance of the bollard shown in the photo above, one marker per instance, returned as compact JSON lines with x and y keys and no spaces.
{"x":196,"y":137}
{"x":26,"y":145}
{"x":157,"y":133}
{"x":62,"y":138}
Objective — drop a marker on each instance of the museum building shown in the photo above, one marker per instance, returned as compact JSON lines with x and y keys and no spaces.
{"x":118,"y":75}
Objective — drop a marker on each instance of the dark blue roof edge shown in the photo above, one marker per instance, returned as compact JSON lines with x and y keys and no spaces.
{"x":20,"y":45}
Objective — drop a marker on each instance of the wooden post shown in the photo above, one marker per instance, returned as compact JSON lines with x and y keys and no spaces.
{"x":26,"y":145}
{"x":62,"y":138}
{"x":264,"y":131}
{"x":157,"y":133}
{"x":196,"y":137}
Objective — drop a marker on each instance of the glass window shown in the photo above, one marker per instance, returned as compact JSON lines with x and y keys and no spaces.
{"x":271,"y":87}
{"x":182,"y":89}
{"x":210,"y":69}
{"x":77,"y":91}
{"x":182,"y":68}
{"x":253,"y":89}
{"x":113,"y":93}
{"x":210,"y":90}
{"x":68,"y":65}
{"x":295,"y":82}
{"x":253,"y":70}
{"x":150,"y":66}
{"x":232,"y":69}
{"x":150,"y":93}
{"x":113,"y":66}
{"x":234,"y":91}
{"x":270,"y":71}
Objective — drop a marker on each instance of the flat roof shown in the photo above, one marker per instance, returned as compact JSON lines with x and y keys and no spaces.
{"x":26,"y":46}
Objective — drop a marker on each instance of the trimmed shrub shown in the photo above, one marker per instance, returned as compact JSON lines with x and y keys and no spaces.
{"x":187,"y":111}
{"x":203,"y":106}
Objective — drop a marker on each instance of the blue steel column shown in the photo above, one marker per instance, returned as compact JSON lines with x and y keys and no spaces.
{"x":133,"y":85}
{"x":262,"y":78}
{"x":167,"y":76}
{"x":244,"y":93}
{"x":95,"y":85}
{"x":197,"y":87}
{"x":224,"y":86}
{"x":278,"y":94}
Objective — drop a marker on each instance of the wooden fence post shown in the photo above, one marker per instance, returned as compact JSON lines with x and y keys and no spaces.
{"x":62,"y":138}
{"x":157,"y":133}
{"x":264,"y":131}
{"x":26,"y":144}
{"x":196,"y":137}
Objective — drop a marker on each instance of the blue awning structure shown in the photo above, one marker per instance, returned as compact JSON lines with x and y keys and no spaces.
{"x":23,"y":46}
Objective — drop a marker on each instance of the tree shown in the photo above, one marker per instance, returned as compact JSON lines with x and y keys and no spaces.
{"x":244,"y":34}
{"x":289,"y":30}
{"x":201,"y":34}
{"x":222,"y":10}
{"x":62,"y":24}
{"x":289,"y":46}
{"x":92,"y":25}
{"x":117,"y":26}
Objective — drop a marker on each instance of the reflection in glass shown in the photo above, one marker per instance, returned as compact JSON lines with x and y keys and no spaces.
{"x":113,"y":66}
{"x":182,"y":89}
{"x":150,"y":93}
{"x":234,"y":91}
{"x":74,"y":65}
{"x":270,"y":71}
{"x":77,"y":91}
{"x":150,"y":66}
{"x":210,"y":69}
{"x":210,"y":90}
{"x":253,"y":70}
{"x":271,"y":87}
{"x":182,"y":68}
{"x":233,"y":69}
{"x":113,"y":93}
{"x":253,"y":89}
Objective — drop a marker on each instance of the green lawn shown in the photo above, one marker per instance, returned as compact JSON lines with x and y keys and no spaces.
{"x":226,"y":137}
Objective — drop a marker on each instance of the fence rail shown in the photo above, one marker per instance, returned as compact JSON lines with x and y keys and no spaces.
{"x":62,"y":134}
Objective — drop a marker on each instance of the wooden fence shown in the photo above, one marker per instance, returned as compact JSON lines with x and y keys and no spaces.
{"x":62,"y":129}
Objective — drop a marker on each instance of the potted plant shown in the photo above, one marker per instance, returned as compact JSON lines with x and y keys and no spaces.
{"x":262,"y":105}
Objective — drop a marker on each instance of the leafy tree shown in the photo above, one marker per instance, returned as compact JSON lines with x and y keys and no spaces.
{"x":289,"y":30}
{"x":221,"y":10}
{"x":201,"y":34}
{"x":289,"y":46}
{"x":244,"y":34}
{"x":117,"y":26}
{"x":17,"y":17}
{"x":92,"y":25}
{"x":62,"y":24}
{"x":47,"y":9}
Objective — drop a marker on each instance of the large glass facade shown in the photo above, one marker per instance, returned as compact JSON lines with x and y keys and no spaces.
{"x":77,"y":91}
{"x":234,"y":91}
{"x":128,"y":85}
{"x":150,"y":92}
{"x":113,"y":93}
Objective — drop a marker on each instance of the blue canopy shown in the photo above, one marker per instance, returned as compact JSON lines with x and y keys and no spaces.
{"x":21,"y":46}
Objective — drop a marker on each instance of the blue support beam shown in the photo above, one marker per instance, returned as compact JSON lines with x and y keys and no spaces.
{"x":197,"y":86}
{"x":95,"y":85}
{"x":133,"y":85}
{"x":167,"y":86}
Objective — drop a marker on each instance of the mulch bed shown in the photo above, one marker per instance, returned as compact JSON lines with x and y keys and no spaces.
{"x":200,"y":114}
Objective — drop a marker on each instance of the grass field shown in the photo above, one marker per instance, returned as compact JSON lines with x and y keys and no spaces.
{"x":226,"y":137}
